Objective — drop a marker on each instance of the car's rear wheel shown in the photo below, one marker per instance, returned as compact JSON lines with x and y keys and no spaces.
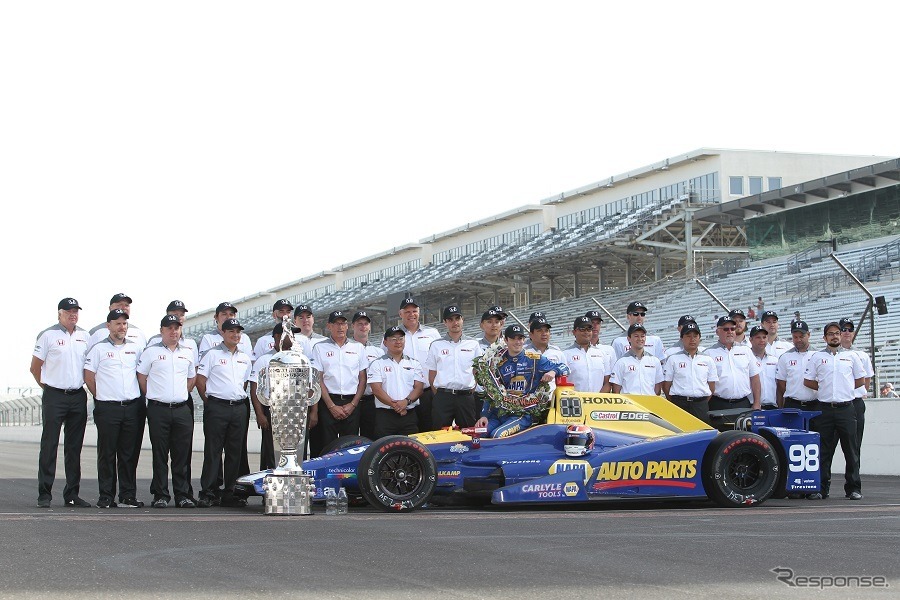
{"x":397,"y":473}
{"x":739,"y":469}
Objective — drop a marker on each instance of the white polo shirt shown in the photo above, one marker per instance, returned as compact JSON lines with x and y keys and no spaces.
{"x":452,"y":362}
{"x":226,"y":372}
{"x":653,"y":345}
{"x":768,"y":365}
{"x":397,"y":378}
{"x":101,"y":332}
{"x":157,"y":339}
{"x":115,"y":369}
{"x":211,"y":340}
{"x":167,"y":372}
{"x":791,"y":369}
{"x":779,"y":347}
{"x":836,"y":374}
{"x":637,"y":375}
{"x":340,"y":365}
{"x":690,"y":376}
{"x":418,"y":343}
{"x":587,"y":367}
{"x":267,"y":343}
{"x":862,"y":391}
{"x":678,"y":347}
{"x":63,"y":356}
{"x":734,"y":369}
{"x":372,"y":353}
{"x":259,"y":365}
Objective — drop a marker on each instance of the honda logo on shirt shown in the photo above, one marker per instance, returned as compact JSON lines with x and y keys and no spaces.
{"x":445,"y":352}
{"x":720,"y":359}
{"x":631,"y":367}
{"x":682,"y":365}
{"x":388,"y":370}
{"x":329,"y":354}
{"x":793,"y":363}
{"x":60,"y":342}
{"x":109,"y":355}
{"x":576,"y":358}
{"x":223,"y":361}
{"x":161,"y":357}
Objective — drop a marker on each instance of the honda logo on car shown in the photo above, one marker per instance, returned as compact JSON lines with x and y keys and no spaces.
{"x":653,"y":469}
{"x":543,"y":490}
{"x":599,"y":415}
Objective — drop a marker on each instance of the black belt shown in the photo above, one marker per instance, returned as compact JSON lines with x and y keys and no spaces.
{"x":455,"y":392}
{"x":117,"y":402}
{"x":688,"y":399}
{"x":167,"y":404}
{"x":366,"y":398}
{"x":343,"y":396}
{"x":70,"y":392}
{"x":800,"y":402}
{"x":228,"y":402}
{"x":731,"y":400}
{"x":836,"y":404}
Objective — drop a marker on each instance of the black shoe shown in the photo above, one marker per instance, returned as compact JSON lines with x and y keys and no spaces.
{"x":43,"y":503}
{"x":106,"y":503}
{"x":204,"y":502}
{"x":186,"y":503}
{"x":131,"y":503}
{"x":233,"y":502}
{"x":78,"y":502}
{"x":159,"y":502}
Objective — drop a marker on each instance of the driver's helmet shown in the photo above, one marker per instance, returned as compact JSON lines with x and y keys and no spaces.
{"x":579,"y":440}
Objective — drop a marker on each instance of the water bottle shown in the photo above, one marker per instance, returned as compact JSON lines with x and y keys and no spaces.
{"x":342,"y":502}
{"x":331,"y":502}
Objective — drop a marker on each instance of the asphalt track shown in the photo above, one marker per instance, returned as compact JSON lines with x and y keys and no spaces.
{"x":646,"y":550}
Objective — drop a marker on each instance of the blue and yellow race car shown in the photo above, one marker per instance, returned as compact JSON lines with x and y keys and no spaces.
{"x":593,"y":447}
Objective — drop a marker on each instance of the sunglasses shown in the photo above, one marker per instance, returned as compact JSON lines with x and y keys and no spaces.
{"x":846,"y":330}
{"x":638,"y":314}
{"x":584,"y":328}
{"x":728,"y":328}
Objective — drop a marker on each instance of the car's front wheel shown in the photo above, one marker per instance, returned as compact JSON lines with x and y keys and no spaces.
{"x":739,"y":469}
{"x":397,"y":473}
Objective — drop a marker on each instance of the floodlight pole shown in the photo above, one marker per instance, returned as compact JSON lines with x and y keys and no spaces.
{"x":711,"y":295}
{"x":609,"y":314}
{"x":870,"y":312}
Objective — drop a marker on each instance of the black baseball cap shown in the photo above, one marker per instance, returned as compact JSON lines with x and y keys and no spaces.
{"x":230,"y":324}
{"x":408,"y":302}
{"x":498,"y":309}
{"x":336,"y":315}
{"x":582,"y":322}
{"x":491,"y":313}
{"x":283,"y":303}
{"x":514,"y":330}
{"x":170,"y":320}
{"x":768,"y":314}
{"x":636,"y":327}
{"x":223,"y":306}
{"x":116,"y":313}
{"x":536,"y":315}
{"x":120,"y":297}
{"x":723,"y":320}
{"x":68,"y":304}
{"x":736,"y":312}
{"x":539,"y":322}
{"x":689,"y":327}
{"x":846,"y":323}
{"x":391,"y":331}
{"x":176,"y":305}
{"x":302,"y":308}
{"x":830,"y":325}
{"x":636,"y":306}
{"x":686,"y":319}
{"x":451,"y":311}
{"x":593,"y":314}
{"x":799,"y":326}
{"x":757,"y":329}
{"x":360,"y":314}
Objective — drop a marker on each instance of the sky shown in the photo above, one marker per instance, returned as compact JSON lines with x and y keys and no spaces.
{"x":166,"y":149}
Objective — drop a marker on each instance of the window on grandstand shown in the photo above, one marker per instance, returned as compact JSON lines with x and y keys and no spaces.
{"x":736,"y":186}
{"x":374,"y":276}
{"x":755,"y":185}
{"x":774,"y":183}
{"x":510,"y":238}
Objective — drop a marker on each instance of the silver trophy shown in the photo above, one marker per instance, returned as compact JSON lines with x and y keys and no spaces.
{"x":288,"y":386}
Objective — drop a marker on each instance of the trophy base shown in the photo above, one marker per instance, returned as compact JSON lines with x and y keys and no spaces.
{"x":288,"y":494}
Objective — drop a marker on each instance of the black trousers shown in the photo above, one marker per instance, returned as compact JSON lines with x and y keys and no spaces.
{"x":698,"y":408}
{"x":117,"y":429}
{"x":267,"y":444}
{"x":447,"y":408}
{"x":838,"y":423}
{"x":331,"y":428}
{"x":314,"y":434}
{"x":367,"y":411}
{"x":225,"y":430}
{"x":171,"y":434}
{"x":69,"y":414}
{"x":424,"y":410}
{"x":717,"y":403}
{"x":859,"y":405}
{"x":388,"y":422}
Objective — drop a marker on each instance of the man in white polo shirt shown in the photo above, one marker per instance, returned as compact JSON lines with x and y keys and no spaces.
{"x":768,"y":365}
{"x":789,"y":389}
{"x":678,"y":346}
{"x":397,"y":382}
{"x":224,"y":312}
{"x":361,"y":324}
{"x":738,"y":383}
{"x":449,"y":366}
{"x":166,"y":373}
{"x":120,"y":301}
{"x":305,"y":320}
{"x":777,"y":346}
{"x":57,"y":364}
{"x":589,"y":366}
{"x":690,"y":376}
{"x":638,"y":372}
{"x":110,"y":372}
{"x":862,"y":392}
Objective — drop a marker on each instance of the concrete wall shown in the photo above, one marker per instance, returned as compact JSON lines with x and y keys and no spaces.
{"x":881,"y":443}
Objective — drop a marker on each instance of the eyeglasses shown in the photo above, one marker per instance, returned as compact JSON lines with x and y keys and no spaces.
{"x":638,"y":314}
{"x":584,"y":328}
{"x":728,"y":328}
{"x":833,"y":333}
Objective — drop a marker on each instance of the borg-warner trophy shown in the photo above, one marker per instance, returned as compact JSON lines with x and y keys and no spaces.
{"x":288,"y":386}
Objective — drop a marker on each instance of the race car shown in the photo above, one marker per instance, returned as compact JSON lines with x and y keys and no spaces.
{"x":593,"y":447}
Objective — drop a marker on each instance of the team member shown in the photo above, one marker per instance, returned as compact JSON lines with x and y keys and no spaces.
{"x":539,"y":340}
{"x":221,"y":381}
{"x":589,"y":365}
{"x":361,"y":324}
{"x":835,"y":374}
{"x":740,"y":327}
{"x":536,"y":315}
{"x":491,"y":326}
{"x":449,"y":365}
{"x":305,"y":320}
{"x":166,"y":374}
{"x":397,"y":381}
{"x":521,"y":372}
{"x":342,"y":365}
{"x":110,"y":372}
{"x":678,"y":346}
{"x":690,"y":376}
{"x":789,"y":389}
{"x":736,"y":370}
{"x":120,"y":301}
{"x":637,"y":372}
{"x":776,"y":346}
{"x":596,"y":324}
{"x":768,"y":364}
{"x":282,"y":308}
{"x":861,"y":393}
{"x":57,"y":364}
{"x":225,"y":311}
{"x":177,"y":308}
{"x":635,"y":313}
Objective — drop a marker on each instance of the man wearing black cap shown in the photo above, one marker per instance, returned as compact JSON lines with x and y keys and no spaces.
{"x":789,"y":389}
{"x":738,"y":383}
{"x":282,"y":308}
{"x":361,"y":324}
{"x":635,"y":313}
{"x":222,"y":378}
{"x":304,"y":319}
{"x":637,"y":372}
{"x":776,"y":346}
{"x":57,"y":365}
{"x":678,"y":346}
{"x":690,"y":376}
{"x":166,"y":373}
{"x":119,"y":301}
{"x":835,"y":375}
{"x":342,"y":364}
{"x":449,"y":366}
{"x":224,"y":311}
{"x":539,"y":340}
{"x":110,"y":372}
{"x":491,"y":326}
{"x":767,"y":364}
{"x":596,"y":324}
{"x":740,"y":327}
{"x":177,"y":308}
{"x":862,"y":392}
{"x":589,"y":366}
{"x":397,"y":381}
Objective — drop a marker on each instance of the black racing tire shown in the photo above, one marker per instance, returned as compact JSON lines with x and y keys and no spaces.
{"x":740,"y":469}
{"x":397,"y":473}
{"x":345,"y":441}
